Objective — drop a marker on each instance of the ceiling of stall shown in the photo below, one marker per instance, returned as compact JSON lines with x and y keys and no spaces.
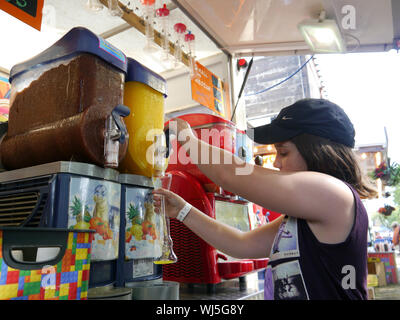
{"x":21,"y":42}
{"x":237,"y":27}
{"x":269,"y":27}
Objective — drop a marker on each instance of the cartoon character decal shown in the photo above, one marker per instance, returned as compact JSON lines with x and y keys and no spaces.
{"x":95,"y":205}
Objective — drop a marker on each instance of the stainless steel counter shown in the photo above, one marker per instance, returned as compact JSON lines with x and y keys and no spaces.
{"x":248,"y":287}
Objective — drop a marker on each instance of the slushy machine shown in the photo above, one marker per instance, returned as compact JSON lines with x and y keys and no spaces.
{"x":198,"y":262}
{"x":74,"y":157}
{"x":80,"y":156}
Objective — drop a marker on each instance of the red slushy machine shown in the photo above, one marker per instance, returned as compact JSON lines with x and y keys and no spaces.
{"x":198,"y":262}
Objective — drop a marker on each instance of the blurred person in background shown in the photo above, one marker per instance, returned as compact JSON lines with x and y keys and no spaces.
{"x":396,"y":234}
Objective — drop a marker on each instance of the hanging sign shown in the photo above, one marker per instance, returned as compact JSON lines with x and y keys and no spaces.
{"x":209,"y":90}
{"x":28,"y":11}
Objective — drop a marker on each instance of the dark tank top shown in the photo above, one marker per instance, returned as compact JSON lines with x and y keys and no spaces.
{"x":302,"y":268}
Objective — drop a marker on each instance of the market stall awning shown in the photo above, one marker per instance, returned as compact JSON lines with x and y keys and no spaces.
{"x":20,"y":42}
{"x":269,"y":27}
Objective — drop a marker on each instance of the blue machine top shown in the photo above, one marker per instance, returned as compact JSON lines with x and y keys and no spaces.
{"x":77,"y":40}
{"x":139,"y":73}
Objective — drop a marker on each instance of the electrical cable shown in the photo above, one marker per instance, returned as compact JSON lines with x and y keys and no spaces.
{"x":284,"y":80}
{"x":243,"y":85}
{"x":355,"y":38}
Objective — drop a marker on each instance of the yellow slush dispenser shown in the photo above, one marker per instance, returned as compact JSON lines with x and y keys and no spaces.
{"x":144,"y":95}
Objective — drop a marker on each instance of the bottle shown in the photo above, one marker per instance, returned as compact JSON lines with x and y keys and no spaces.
{"x":94,"y":5}
{"x":163,"y":16}
{"x":149,"y":11}
{"x":180,"y":29}
{"x":114,"y":8}
{"x":190,"y":40}
{"x":162,"y":180}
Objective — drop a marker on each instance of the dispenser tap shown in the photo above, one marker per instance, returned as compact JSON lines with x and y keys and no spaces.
{"x":115,"y":134}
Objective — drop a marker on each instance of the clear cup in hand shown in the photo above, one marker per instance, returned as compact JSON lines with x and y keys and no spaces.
{"x":168,"y":255}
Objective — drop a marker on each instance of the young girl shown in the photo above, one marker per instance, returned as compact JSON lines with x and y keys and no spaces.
{"x":317,"y":188}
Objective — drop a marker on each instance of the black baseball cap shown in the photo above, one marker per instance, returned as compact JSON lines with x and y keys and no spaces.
{"x":318,"y":117}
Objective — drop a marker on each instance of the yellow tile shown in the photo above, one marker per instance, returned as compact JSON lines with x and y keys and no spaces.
{"x":64,"y":289}
{"x":81,"y":254}
{"x":70,"y":241}
{"x":35,"y":277}
{"x":49,"y":293}
{"x":79,"y":279}
{"x":8,"y":291}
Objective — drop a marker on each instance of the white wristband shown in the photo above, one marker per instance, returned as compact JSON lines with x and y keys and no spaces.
{"x":184,"y":212}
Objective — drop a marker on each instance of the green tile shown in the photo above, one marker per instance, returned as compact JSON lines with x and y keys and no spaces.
{"x":32,"y":288}
{"x":78,"y":265}
{"x":24,"y":273}
{"x":84,"y":286}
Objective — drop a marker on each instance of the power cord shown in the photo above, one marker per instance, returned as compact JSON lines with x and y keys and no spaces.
{"x":284,"y":80}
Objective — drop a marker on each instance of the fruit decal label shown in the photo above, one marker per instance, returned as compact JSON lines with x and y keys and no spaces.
{"x":143,"y":225}
{"x":95,"y":205}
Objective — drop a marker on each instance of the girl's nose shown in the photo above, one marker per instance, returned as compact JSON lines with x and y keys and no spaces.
{"x":277,"y":164}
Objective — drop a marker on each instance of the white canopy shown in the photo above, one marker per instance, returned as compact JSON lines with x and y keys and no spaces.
{"x":21,"y":42}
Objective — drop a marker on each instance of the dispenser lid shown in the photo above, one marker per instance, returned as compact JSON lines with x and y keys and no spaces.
{"x":135,"y":180}
{"x":204,"y":120}
{"x":138,"y":72}
{"x":77,"y":168}
{"x":77,"y":40}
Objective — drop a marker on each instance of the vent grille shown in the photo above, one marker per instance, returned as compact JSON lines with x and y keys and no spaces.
{"x":16,"y":209}
{"x":25,"y":184}
{"x":22,"y":202}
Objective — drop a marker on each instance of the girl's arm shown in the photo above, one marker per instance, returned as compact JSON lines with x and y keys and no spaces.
{"x":252,"y":244}
{"x":312,"y":196}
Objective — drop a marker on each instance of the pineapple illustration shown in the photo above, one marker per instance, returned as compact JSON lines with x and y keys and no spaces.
{"x":82,"y":220}
{"x":134,"y":214}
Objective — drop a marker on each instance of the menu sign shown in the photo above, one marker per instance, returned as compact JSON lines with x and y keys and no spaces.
{"x":208,"y":90}
{"x":28,"y":11}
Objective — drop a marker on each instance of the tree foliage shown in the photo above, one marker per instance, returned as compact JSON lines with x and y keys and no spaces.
{"x":387,"y":220}
{"x":395,"y":216}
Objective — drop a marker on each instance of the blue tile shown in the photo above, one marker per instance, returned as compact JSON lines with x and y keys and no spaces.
{"x":69,"y":277}
{"x":3,"y":273}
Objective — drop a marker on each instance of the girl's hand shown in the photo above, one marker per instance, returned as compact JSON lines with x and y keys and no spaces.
{"x":173,"y":202}
{"x":181,"y":129}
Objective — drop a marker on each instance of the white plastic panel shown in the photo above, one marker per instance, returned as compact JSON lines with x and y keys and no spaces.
{"x":270,"y":26}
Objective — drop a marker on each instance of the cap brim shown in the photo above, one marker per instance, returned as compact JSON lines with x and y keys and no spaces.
{"x":270,"y":133}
